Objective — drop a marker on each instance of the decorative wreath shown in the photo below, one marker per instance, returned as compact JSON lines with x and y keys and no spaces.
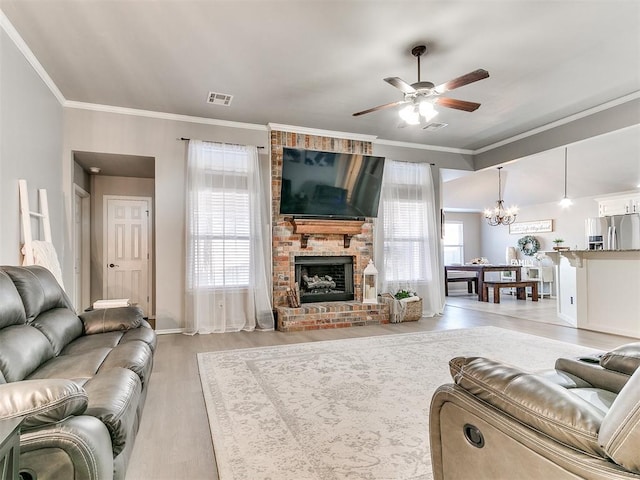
{"x":528,"y":245}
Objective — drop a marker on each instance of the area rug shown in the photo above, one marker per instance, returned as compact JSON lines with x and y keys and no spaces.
{"x":354,"y":409}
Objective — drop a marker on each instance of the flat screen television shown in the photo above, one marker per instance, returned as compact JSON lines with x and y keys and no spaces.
{"x":330,"y":185}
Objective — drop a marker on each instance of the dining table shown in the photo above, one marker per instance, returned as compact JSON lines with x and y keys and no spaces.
{"x":481,"y":270}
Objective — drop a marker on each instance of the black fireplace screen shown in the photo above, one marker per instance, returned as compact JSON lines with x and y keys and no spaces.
{"x":324,"y":279}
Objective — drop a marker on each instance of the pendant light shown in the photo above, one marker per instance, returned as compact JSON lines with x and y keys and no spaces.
{"x":566,"y":201}
{"x":500,"y":215}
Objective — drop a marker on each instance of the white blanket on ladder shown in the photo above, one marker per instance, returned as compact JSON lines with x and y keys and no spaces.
{"x":44,"y":254}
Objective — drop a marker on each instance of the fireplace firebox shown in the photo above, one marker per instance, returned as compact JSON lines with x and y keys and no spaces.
{"x":324,"y":278}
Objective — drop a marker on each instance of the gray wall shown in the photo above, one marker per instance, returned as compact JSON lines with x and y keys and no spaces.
{"x":81,"y":178}
{"x":30,"y":148}
{"x":92,"y":131}
{"x":609,"y":120}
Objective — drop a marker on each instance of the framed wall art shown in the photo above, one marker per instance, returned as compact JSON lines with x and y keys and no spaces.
{"x":537,"y":226}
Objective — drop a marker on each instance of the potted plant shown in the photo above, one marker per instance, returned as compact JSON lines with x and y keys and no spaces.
{"x":558,"y":242}
{"x":404,"y":293}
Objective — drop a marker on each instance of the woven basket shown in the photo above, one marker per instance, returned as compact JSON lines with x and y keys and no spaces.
{"x":412,"y":311}
{"x":402,"y":311}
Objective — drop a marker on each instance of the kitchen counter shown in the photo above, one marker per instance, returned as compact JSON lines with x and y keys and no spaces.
{"x":576,"y":256}
{"x":599,"y":289}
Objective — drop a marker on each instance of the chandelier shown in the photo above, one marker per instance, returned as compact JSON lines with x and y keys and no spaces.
{"x":500,"y":215}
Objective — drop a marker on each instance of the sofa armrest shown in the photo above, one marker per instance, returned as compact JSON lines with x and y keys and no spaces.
{"x":589,"y":369}
{"x":75,"y":448}
{"x":111,"y":319}
{"x":620,"y":431}
{"x":41,"y":402}
{"x":532,"y":400}
{"x":624,"y":359}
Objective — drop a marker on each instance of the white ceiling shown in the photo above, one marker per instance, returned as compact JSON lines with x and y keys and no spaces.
{"x":312,"y":63}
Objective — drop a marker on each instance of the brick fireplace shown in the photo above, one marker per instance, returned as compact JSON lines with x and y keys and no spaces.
{"x":289,"y":247}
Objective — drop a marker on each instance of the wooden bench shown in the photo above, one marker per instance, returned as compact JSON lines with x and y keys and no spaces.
{"x":521,"y":288}
{"x":471,"y":282}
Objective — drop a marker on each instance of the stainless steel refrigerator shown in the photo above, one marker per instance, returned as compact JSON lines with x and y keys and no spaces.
{"x":617,"y":232}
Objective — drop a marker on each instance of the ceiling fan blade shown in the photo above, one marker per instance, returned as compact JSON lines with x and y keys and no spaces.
{"x":379,"y":107}
{"x":462,"y":81}
{"x":400,"y":84}
{"x":457,"y":104}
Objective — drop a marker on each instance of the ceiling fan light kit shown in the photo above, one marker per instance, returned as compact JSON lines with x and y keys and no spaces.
{"x":410,"y":115}
{"x":500,"y":215}
{"x":426,"y":110}
{"x":421,"y":97}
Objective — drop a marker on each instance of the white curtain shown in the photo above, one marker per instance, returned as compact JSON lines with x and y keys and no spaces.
{"x":226,"y":280}
{"x":406,"y":235}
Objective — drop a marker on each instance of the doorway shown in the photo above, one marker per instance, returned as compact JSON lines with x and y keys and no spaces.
{"x":127,"y":177}
{"x":81,"y":249}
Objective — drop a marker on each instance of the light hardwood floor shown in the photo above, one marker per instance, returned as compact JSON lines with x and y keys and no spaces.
{"x":174,"y":440}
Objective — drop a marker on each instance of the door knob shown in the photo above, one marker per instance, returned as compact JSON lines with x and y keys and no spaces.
{"x":111,"y":265}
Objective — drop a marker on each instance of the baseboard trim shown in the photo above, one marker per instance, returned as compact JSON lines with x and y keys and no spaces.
{"x":168,"y":331}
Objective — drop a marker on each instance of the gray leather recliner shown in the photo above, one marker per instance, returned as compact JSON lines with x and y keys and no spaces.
{"x":78,"y":382}
{"x":578,"y":421}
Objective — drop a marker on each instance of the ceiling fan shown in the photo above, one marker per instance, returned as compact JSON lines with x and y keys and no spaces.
{"x":420,"y":97}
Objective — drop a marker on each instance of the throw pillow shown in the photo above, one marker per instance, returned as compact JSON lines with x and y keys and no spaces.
{"x":111,"y":319}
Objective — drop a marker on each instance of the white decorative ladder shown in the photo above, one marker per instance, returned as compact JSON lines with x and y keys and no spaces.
{"x":26,"y":214}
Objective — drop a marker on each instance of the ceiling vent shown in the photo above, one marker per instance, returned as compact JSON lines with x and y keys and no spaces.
{"x":432,"y":127}
{"x":219,"y":99}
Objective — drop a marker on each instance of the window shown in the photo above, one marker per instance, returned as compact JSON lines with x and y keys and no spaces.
{"x":453,"y":243}
{"x":221,"y":224}
{"x":404,"y":252}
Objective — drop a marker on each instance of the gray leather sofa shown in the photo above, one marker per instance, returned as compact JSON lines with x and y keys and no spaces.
{"x":79,"y":382}
{"x":580,"y":420}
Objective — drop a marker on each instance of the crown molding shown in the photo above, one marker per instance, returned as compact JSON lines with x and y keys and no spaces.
{"x":420,"y":146}
{"x":321,"y":133}
{"x":562,"y":121}
{"x":162,"y":115}
{"x":30,"y":57}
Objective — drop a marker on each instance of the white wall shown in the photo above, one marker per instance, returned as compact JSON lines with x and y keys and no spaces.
{"x":92,"y":131}
{"x":30,"y":148}
{"x":568,"y":224}
{"x":482,"y":240}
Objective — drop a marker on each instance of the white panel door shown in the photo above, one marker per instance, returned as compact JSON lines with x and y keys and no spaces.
{"x":127,"y":250}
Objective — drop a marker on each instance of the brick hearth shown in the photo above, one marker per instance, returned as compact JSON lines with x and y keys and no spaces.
{"x":315,"y":316}
{"x":287,"y":245}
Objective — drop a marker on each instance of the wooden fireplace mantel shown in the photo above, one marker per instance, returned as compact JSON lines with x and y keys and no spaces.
{"x":306,"y":227}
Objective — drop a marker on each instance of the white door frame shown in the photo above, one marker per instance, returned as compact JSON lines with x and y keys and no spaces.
{"x":84,"y":269}
{"x":105,"y":221}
